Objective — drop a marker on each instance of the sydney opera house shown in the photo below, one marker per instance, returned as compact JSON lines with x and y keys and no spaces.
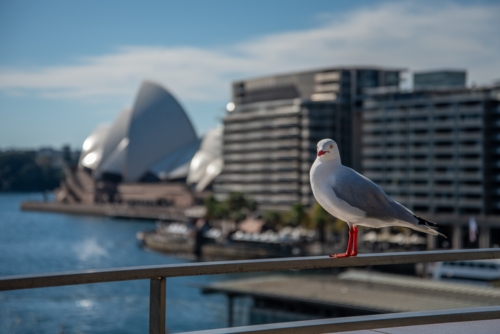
{"x":151,"y":154}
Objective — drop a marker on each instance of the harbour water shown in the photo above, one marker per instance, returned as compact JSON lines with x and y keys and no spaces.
{"x":33,"y":242}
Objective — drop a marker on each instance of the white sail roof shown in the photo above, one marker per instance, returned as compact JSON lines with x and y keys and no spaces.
{"x":158,"y":126}
{"x":143,"y":139}
{"x":208,"y":162}
{"x":92,"y":149}
{"x":114,"y":144}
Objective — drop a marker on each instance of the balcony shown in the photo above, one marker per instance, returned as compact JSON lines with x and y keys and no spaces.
{"x":471,"y":123}
{"x":471,"y":136}
{"x":419,"y":162}
{"x":444,"y":201}
{"x":444,"y":176}
{"x":265,"y":156}
{"x":372,"y":126}
{"x":263,"y":188}
{"x":368,"y":163}
{"x":471,"y":149}
{"x":444,"y":162}
{"x":396,"y":175}
{"x":396,"y":150}
{"x":445,"y":111}
{"x":470,"y":202}
{"x":419,"y":125}
{"x":471,"y":189}
{"x":419,"y":200}
{"x":417,"y":150}
{"x":158,"y":275}
{"x":372,"y":115}
{"x":262,"y":167}
{"x":423,"y":175}
{"x":414,"y":188}
{"x":262,"y":135}
{"x":419,"y":137}
{"x":471,"y":175}
{"x":263,"y":145}
{"x":254,"y":177}
{"x":373,"y":175}
{"x":448,"y":189}
{"x":477,"y":109}
{"x":257,"y":125}
{"x":444,"y":136}
{"x":372,"y":151}
{"x":396,"y":138}
{"x":467,"y":162}
{"x":419,"y":112}
{"x":372,"y":139}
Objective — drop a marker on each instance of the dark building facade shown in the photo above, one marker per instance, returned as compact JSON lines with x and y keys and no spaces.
{"x":437,"y":152}
{"x":270,"y":137}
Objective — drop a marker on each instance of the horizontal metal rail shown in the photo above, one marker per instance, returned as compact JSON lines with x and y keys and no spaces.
{"x":245,"y":266}
{"x":346,"y":324}
{"x":158,"y":275}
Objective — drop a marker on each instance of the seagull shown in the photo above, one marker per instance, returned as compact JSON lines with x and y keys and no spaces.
{"x":355,"y":199}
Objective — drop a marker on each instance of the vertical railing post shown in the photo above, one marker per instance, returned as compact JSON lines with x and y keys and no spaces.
{"x":157,"y":302}
{"x":230,"y":304}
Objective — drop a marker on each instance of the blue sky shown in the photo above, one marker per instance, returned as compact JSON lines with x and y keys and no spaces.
{"x":66,"y":67}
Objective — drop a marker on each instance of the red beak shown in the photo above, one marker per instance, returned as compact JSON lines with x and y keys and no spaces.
{"x":320,"y":153}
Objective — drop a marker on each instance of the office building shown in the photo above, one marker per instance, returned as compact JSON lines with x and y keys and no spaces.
{"x":274,"y":123}
{"x":437,"y":152}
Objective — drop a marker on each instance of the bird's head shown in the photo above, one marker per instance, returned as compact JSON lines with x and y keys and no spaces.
{"x":327,"y":150}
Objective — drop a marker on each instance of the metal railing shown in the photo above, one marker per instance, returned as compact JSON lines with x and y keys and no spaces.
{"x":159,"y":274}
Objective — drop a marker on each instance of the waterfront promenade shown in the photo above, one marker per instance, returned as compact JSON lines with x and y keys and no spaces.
{"x":108,"y":210}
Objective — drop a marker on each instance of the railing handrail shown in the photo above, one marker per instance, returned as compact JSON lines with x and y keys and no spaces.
{"x":356,"y":323}
{"x":243,"y":266}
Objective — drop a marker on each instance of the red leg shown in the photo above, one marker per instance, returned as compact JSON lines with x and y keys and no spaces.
{"x":354,"y":249}
{"x":349,"y":246}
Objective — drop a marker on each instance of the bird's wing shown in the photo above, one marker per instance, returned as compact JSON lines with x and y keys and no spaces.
{"x":361,"y":193}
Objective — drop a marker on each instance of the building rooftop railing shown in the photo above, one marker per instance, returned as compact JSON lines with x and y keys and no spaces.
{"x":158,"y":275}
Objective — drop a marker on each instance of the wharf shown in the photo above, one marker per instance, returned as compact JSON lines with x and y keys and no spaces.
{"x":211,"y":251}
{"x":108,"y":210}
{"x":355,"y":292}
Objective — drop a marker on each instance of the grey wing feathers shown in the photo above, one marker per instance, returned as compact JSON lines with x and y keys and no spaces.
{"x":362,"y":193}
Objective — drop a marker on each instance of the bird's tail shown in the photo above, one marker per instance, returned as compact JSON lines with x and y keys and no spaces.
{"x":422,"y":221}
{"x":427,"y":226}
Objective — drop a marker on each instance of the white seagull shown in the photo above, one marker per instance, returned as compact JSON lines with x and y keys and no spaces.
{"x":355,"y":199}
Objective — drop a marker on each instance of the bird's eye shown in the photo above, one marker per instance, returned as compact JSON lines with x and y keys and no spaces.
{"x":331,"y":146}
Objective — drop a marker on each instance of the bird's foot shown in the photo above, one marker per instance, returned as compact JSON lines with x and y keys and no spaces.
{"x":353,"y":253}
{"x":338,"y":256}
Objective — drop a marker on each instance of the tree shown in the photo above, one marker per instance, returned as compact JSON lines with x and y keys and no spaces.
{"x":297,"y":216}
{"x":239,"y":206}
{"x":19,"y":171}
{"x":272,"y":218}
{"x":215,"y":209}
{"x":236,"y":201}
{"x":67,"y":157}
{"x":320,"y":218}
{"x":236,"y":207}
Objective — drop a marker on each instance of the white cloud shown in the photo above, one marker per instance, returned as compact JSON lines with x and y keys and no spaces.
{"x":414,"y":36}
